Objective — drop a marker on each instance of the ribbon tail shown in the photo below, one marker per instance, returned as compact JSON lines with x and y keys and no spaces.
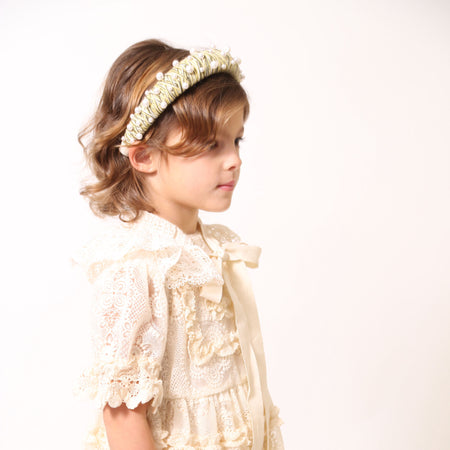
{"x":247,"y":324}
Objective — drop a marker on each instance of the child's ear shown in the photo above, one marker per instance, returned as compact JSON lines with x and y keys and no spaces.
{"x":143,"y":158}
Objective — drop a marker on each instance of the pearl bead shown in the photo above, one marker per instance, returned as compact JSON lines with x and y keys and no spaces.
{"x":185,"y":85}
{"x":145,"y":102}
{"x":202,"y":69}
{"x":139,"y":136}
{"x":189,"y":68}
{"x":224,"y":66}
{"x":159,"y":76}
{"x":163,"y":104}
{"x":137,"y":110}
{"x":214,"y":64}
{"x":156,"y":91}
{"x":175,"y":62}
{"x":130,"y":126}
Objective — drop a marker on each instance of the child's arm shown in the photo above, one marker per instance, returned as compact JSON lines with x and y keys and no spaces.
{"x":128,"y":429}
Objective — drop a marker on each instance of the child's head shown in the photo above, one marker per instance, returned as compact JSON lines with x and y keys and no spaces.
{"x":186,"y":127}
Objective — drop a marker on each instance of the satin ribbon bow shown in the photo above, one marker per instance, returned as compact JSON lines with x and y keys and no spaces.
{"x":230,"y":251}
{"x":232,"y":260}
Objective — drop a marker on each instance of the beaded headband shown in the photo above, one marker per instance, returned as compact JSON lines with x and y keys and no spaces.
{"x":169,"y":86}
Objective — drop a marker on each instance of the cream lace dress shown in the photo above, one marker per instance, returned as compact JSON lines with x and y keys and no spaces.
{"x":171,"y":325}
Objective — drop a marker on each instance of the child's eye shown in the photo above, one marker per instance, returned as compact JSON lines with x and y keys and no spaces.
{"x":213,"y":146}
{"x":237,"y":141}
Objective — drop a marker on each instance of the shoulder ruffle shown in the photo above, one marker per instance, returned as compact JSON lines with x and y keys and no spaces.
{"x":119,"y":241}
{"x":159,"y":241}
{"x":170,"y":254}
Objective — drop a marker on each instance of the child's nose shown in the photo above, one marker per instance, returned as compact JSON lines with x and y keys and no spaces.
{"x":233,"y":159}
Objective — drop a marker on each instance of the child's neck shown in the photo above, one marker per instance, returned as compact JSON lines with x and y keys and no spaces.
{"x":186,"y":221}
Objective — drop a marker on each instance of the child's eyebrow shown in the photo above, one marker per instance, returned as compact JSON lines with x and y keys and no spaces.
{"x":228,"y":132}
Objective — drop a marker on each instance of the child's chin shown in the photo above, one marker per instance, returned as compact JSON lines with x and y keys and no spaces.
{"x":218,"y":208}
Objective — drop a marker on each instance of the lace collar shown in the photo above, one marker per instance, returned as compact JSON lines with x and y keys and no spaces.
{"x":154,"y":236}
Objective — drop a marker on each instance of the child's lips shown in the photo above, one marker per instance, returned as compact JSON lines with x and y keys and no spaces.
{"x":229,"y":184}
{"x":224,"y":187}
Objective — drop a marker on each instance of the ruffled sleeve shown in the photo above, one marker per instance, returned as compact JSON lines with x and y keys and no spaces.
{"x":129,"y":337}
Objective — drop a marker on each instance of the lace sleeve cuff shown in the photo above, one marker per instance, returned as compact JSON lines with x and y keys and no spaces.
{"x":113,"y":383}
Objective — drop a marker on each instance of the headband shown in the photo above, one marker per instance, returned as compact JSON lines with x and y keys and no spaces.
{"x":169,"y":86}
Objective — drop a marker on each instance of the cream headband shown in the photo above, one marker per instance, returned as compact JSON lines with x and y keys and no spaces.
{"x":184,"y":74}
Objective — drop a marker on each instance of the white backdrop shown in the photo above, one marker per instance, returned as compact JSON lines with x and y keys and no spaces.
{"x":345,"y":185}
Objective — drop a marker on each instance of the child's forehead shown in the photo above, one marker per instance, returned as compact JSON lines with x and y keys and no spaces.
{"x":232,"y":124}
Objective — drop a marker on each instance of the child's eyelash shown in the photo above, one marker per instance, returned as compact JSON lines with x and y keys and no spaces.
{"x":215,"y":144}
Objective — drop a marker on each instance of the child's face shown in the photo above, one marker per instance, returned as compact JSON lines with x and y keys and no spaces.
{"x":184,"y":185}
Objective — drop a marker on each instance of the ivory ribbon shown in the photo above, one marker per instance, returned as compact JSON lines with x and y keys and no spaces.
{"x":231,"y":261}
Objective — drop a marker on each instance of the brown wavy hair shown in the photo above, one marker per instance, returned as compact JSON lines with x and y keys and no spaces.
{"x":118,"y":188}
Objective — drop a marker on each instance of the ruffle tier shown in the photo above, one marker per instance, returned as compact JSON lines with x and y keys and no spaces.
{"x":216,"y":422}
{"x":211,"y":423}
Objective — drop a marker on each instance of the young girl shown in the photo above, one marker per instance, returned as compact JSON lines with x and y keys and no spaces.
{"x":178,"y":354}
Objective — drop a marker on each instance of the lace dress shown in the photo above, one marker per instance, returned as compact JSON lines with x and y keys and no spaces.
{"x":175,"y":323}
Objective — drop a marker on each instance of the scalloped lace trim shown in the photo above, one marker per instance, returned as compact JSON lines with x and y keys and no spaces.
{"x":114,"y":383}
